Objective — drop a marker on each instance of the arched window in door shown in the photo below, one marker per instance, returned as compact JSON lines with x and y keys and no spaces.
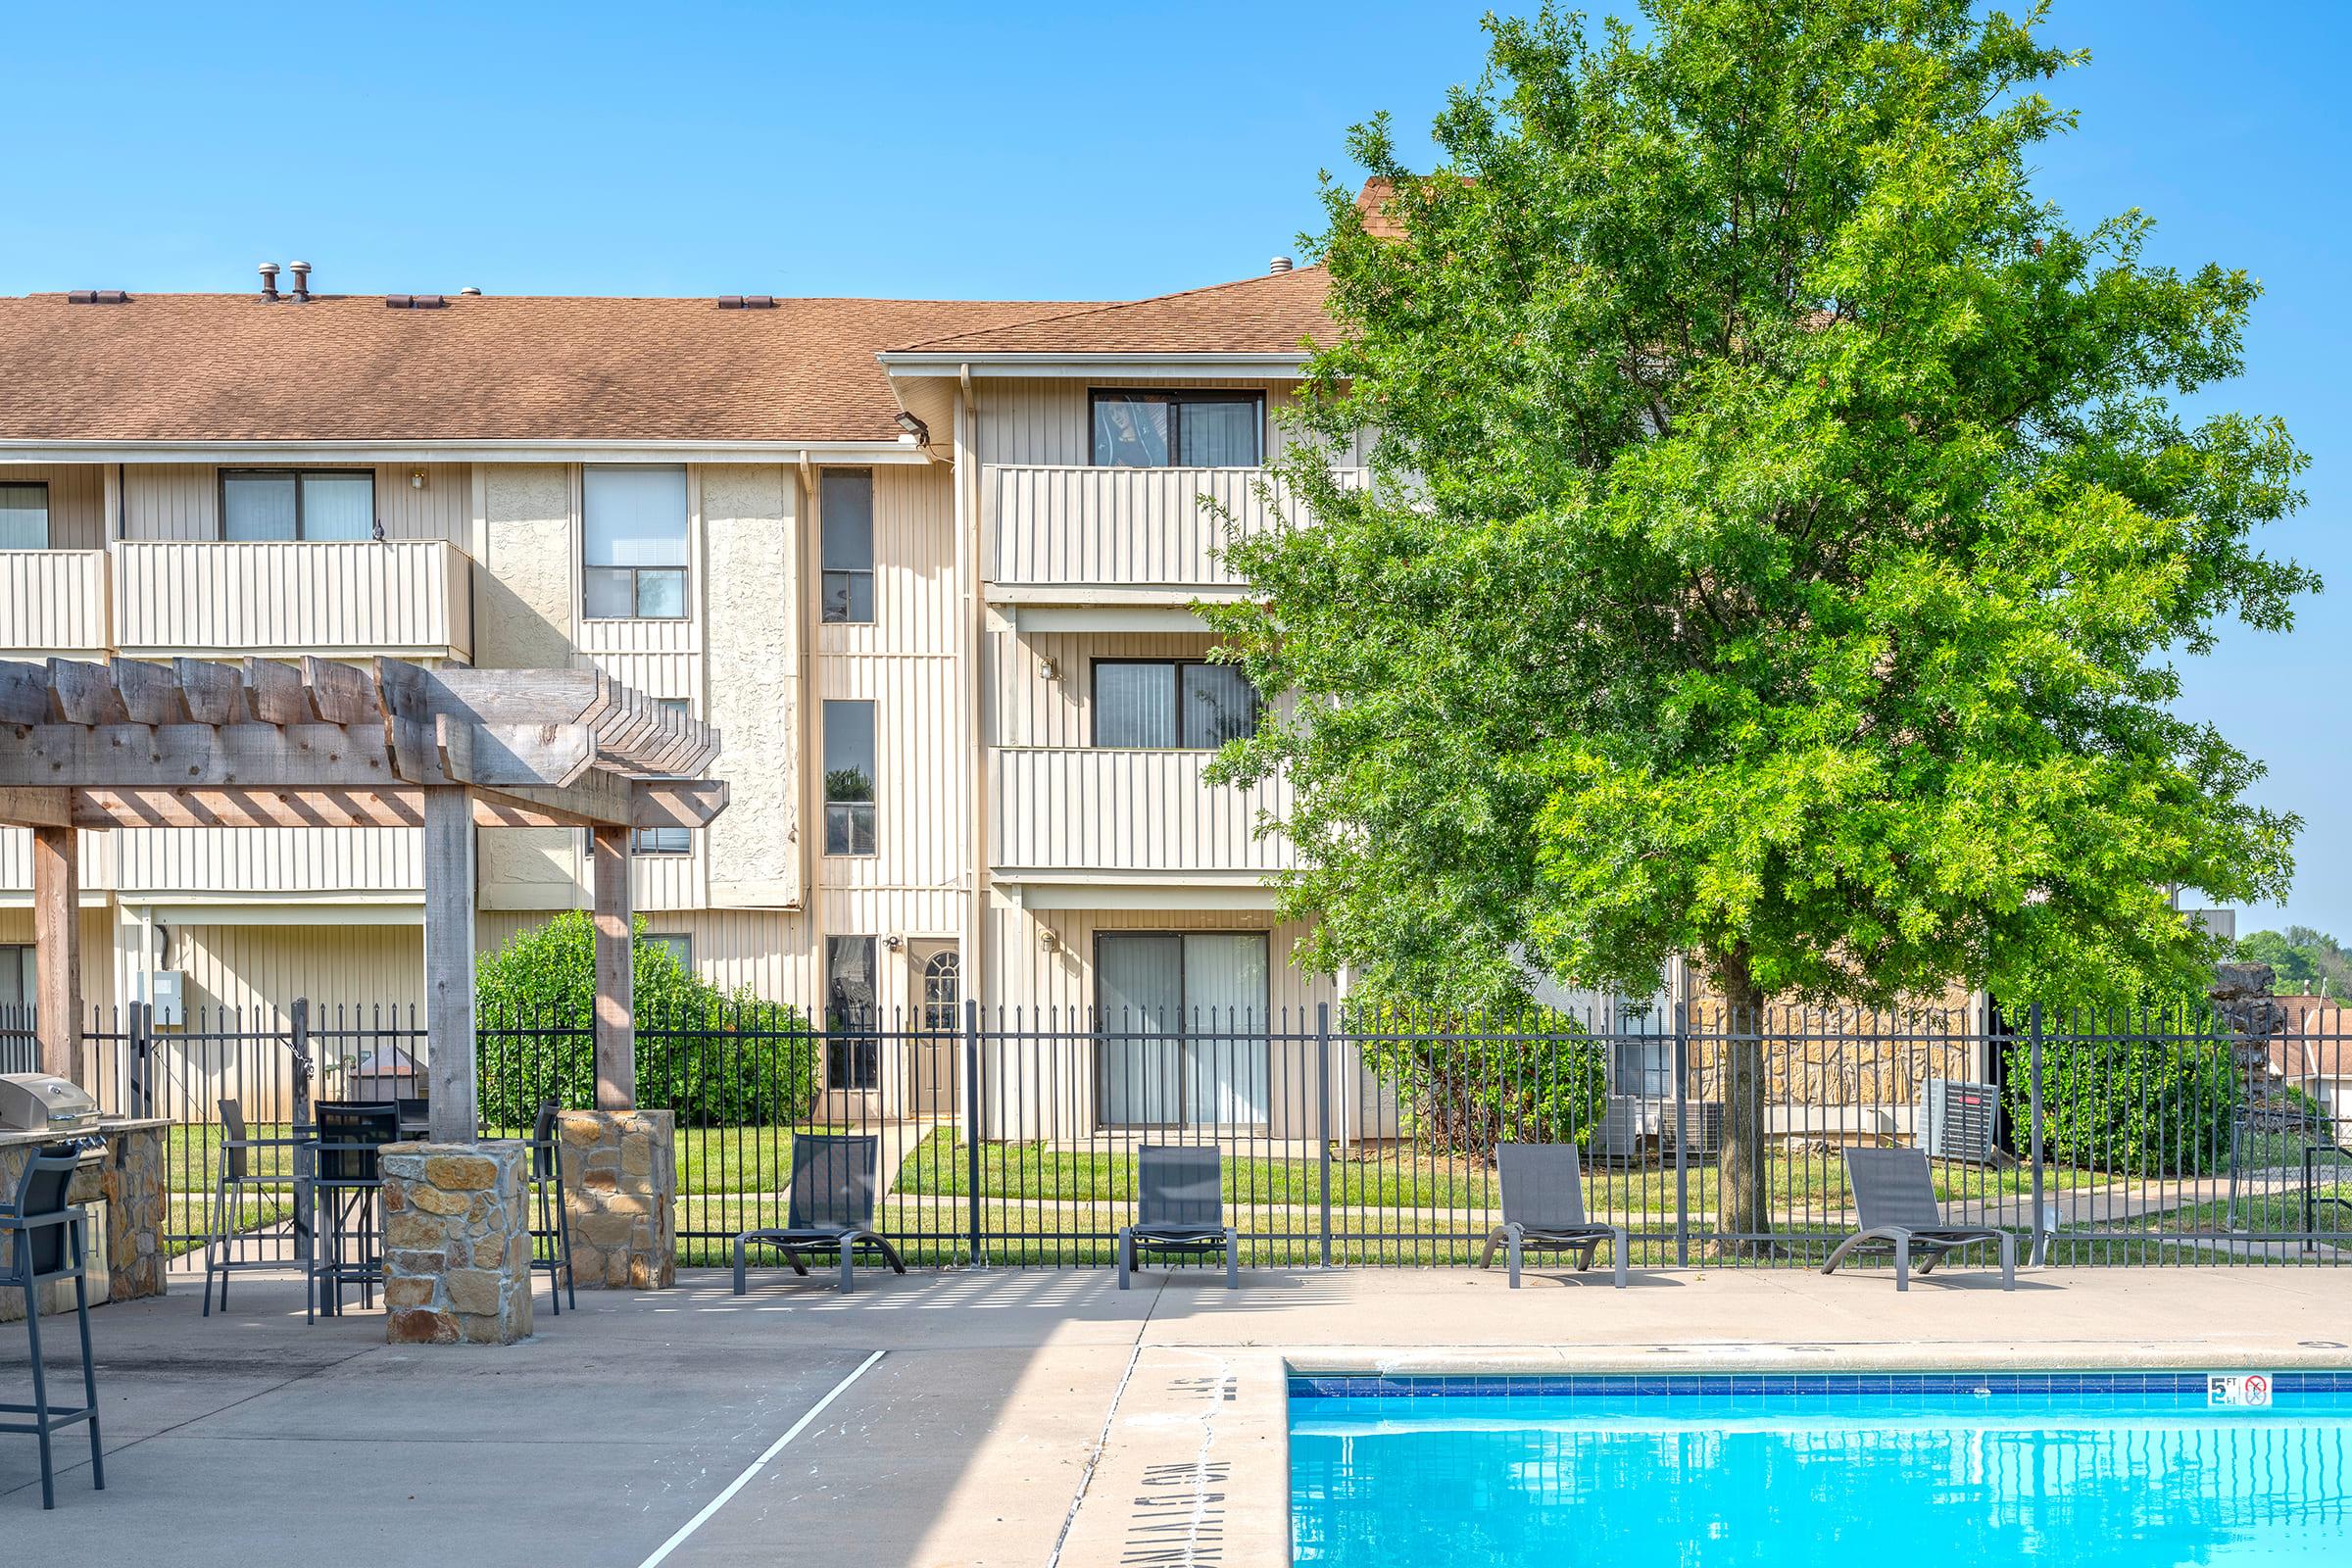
{"x":943,"y":991}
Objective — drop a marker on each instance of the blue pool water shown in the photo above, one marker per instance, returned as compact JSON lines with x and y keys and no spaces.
{"x":1691,"y":1473}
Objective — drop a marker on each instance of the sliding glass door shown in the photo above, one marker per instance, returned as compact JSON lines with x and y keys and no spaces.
{"x":1183,"y":1027}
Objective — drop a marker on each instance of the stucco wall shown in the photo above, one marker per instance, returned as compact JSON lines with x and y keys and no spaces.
{"x":752,"y":643}
{"x":523,"y":615}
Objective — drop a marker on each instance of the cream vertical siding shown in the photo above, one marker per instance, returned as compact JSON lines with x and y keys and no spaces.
{"x":1047,"y":420}
{"x":1041,"y":683}
{"x":97,"y":952}
{"x":259,"y":970}
{"x":1115,"y":810}
{"x":77,"y":500}
{"x":99,"y":854}
{"x":181,"y":500}
{"x":408,"y":599}
{"x":272,"y":863}
{"x":1158,"y":531}
{"x":54,"y":603}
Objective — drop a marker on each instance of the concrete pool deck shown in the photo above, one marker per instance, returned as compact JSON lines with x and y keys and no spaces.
{"x":1012,"y":1415}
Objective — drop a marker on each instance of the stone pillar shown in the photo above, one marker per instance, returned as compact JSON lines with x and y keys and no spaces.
{"x":456,"y":1243}
{"x":620,"y":1192}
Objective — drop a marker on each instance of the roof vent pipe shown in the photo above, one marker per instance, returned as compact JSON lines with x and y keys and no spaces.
{"x":302,"y":281}
{"x":470,"y":291}
{"x":269,"y":271}
{"x":1280,"y":264}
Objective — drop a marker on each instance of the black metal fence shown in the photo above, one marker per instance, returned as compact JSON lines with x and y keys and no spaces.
{"x":1367,"y":1138}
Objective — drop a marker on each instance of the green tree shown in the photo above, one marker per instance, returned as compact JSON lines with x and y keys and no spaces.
{"x":718,"y":1058}
{"x":2303,"y":959}
{"x":1779,"y":539}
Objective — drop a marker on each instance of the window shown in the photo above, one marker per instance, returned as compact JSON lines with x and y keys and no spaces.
{"x":666,"y":840}
{"x":1169,"y":703}
{"x":18,"y":988}
{"x":1177,"y":430}
{"x":943,"y":991}
{"x":852,"y":1055}
{"x":1183,"y":1020}
{"x":296,"y":504}
{"x":849,"y":545}
{"x":24,"y":518}
{"x":676,"y":944}
{"x":633,"y":542}
{"x":849,"y":778}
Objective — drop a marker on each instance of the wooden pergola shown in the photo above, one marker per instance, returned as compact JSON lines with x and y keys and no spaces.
{"x":195,"y":744}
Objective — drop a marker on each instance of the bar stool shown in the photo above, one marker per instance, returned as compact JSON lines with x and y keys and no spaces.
{"x":47,"y":1242}
{"x":346,"y":1184}
{"x":238,"y":1178}
{"x":550,"y":1222}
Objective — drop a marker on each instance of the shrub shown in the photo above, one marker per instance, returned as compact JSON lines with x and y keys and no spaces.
{"x":1468,"y":1083}
{"x":715,"y":1058}
{"x":2138,"y":1105}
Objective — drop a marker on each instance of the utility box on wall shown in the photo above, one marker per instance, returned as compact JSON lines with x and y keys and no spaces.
{"x":168,"y":1006}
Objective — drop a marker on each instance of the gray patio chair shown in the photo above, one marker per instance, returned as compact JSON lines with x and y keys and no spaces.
{"x":1896,"y":1198}
{"x":831,"y":1207}
{"x":1544,"y":1210}
{"x":1180,"y":1208}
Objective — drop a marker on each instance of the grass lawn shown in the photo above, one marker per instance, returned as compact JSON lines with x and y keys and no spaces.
{"x":1802,"y":1181}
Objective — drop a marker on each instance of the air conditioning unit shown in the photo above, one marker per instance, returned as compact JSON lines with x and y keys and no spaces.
{"x":1960,"y":1122}
{"x":1633,"y":1128}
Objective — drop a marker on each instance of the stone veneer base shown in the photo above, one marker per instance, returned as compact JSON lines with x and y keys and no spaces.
{"x":129,"y":1180}
{"x":620,"y":1191}
{"x":456,"y":1243}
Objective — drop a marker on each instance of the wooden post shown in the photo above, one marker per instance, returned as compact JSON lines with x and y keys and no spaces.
{"x":449,"y":962}
{"x":57,"y":943}
{"x":615,"y":974}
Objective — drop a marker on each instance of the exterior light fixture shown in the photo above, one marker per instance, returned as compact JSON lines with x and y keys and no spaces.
{"x":915,"y":429}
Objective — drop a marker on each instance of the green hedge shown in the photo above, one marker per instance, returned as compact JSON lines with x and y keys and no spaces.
{"x":2138,"y":1106}
{"x":1528,"y":1078}
{"x":715,"y":1058}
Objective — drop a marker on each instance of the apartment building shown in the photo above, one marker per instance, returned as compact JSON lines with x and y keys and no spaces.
{"x":929,"y":567}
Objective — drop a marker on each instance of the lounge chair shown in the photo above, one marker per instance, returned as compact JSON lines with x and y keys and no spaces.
{"x":832,"y":1208}
{"x":1179,"y":1207}
{"x":1544,"y":1210}
{"x":1896,"y":1198}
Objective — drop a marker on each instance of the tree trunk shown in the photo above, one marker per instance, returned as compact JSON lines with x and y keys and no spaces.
{"x":1742,"y":1192}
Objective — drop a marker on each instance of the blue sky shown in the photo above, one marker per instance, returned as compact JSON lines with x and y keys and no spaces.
{"x":1070,"y":152}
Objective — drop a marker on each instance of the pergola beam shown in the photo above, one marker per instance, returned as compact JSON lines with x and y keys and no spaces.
{"x":650,"y":802}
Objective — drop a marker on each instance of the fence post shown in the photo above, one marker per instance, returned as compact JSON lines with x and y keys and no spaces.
{"x":304,"y":1155}
{"x":1681,"y":1135}
{"x":971,"y":1122}
{"x":2040,"y":1250}
{"x":1323,"y":1122}
{"x":139,"y":1050}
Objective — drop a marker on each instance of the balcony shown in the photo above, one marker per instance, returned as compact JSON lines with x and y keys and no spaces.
{"x":1120,"y":536}
{"x":1076,"y":818}
{"x":406,"y":599}
{"x":53,"y":604}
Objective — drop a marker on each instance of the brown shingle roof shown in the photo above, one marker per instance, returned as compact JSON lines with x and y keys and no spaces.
{"x":229,"y":367}
{"x":1266,"y":315}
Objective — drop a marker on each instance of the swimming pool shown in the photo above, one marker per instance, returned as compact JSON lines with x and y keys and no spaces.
{"x":1690,"y":1472}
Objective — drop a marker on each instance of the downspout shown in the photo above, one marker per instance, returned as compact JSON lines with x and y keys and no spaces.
{"x":809,"y":812}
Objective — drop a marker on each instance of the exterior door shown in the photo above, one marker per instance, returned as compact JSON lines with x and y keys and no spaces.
{"x":1182,"y":1019}
{"x":936,"y":1051}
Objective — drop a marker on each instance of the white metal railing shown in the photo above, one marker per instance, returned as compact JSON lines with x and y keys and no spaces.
{"x":1084,"y":808}
{"x":412,"y":597}
{"x":1129,"y":528}
{"x":54,"y":603}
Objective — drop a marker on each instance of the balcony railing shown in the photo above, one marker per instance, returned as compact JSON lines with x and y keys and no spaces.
{"x":1107,"y":812}
{"x":1141,"y":533}
{"x":411,"y":599}
{"x":53,"y":604}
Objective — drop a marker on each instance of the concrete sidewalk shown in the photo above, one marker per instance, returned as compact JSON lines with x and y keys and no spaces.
{"x":1010,"y":1411}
